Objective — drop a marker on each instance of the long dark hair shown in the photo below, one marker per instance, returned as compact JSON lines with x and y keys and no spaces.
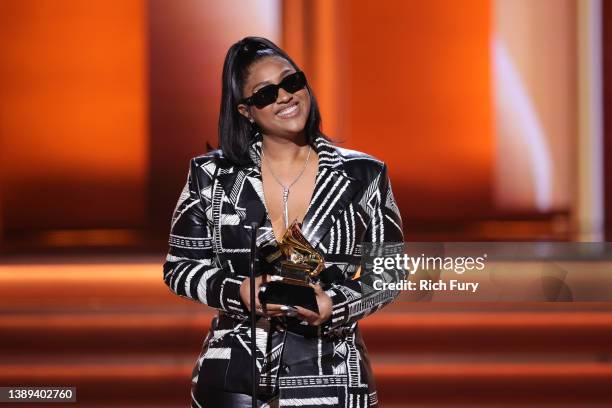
{"x":236,"y":132}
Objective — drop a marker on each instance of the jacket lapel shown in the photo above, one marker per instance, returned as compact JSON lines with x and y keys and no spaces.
{"x":334,"y":190}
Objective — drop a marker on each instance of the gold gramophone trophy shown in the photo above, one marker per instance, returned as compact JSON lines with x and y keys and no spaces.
{"x":296,"y":265}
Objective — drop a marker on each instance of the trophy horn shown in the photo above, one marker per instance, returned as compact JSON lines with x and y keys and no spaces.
{"x":300,"y":252}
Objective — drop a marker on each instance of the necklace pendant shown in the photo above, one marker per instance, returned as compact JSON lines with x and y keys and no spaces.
{"x":286,"y":207}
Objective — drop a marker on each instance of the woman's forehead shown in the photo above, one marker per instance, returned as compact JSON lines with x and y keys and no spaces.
{"x":268,"y":70}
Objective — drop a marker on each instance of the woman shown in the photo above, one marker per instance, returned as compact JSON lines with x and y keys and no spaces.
{"x":274,"y":160}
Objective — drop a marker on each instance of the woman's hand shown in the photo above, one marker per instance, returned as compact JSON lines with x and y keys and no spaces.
{"x":269,"y":310}
{"x":273,"y":310}
{"x":324,"y":303}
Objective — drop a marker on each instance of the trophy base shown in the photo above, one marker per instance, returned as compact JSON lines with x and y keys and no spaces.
{"x":294,"y":273}
{"x":281,"y":293}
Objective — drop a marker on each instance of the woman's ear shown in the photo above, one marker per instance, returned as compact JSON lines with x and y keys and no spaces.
{"x":244,"y":111}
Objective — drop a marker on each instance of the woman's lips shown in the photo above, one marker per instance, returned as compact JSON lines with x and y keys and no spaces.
{"x":289,"y":112}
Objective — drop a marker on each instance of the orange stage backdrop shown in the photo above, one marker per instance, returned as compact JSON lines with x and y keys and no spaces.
{"x":74,"y":114}
{"x":106,"y":102}
{"x":409,"y":82}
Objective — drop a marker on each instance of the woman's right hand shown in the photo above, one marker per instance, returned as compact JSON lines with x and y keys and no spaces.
{"x":269,"y":310}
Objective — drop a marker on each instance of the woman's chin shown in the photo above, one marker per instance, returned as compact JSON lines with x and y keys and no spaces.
{"x":293,"y":126}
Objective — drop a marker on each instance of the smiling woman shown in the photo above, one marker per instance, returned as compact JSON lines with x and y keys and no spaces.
{"x":274,"y":160}
{"x":281,"y":108}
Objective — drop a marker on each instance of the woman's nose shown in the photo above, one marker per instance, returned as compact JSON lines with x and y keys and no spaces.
{"x":283,"y":96}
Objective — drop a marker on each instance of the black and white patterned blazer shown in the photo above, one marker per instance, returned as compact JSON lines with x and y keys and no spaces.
{"x":208,"y":258}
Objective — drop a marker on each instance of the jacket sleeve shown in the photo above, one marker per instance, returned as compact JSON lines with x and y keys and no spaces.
{"x":190,"y":270}
{"x":351,"y":299}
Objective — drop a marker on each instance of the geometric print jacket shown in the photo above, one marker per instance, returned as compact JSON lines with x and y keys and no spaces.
{"x":208,"y":258}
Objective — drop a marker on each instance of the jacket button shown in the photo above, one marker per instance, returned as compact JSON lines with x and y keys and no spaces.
{"x":286,"y":368}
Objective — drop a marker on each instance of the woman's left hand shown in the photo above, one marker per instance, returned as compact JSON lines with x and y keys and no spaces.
{"x":324,"y":303}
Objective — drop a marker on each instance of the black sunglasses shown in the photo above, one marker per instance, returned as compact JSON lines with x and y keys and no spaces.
{"x":269,"y":93}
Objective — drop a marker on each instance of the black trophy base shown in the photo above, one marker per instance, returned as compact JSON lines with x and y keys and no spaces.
{"x":280,"y":293}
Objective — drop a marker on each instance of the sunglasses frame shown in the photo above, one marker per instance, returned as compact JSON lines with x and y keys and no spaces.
{"x":251,"y":101}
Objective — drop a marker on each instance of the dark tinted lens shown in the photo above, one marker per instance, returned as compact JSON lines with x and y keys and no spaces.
{"x":265,"y":96}
{"x":294,"y":82}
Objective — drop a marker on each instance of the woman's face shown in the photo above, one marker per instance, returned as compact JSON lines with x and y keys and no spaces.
{"x":287,"y":116}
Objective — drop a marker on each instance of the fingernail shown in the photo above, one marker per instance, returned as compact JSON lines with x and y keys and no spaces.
{"x":284,"y":308}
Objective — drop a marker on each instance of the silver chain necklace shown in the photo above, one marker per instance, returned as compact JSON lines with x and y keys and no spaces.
{"x":287,"y":188}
